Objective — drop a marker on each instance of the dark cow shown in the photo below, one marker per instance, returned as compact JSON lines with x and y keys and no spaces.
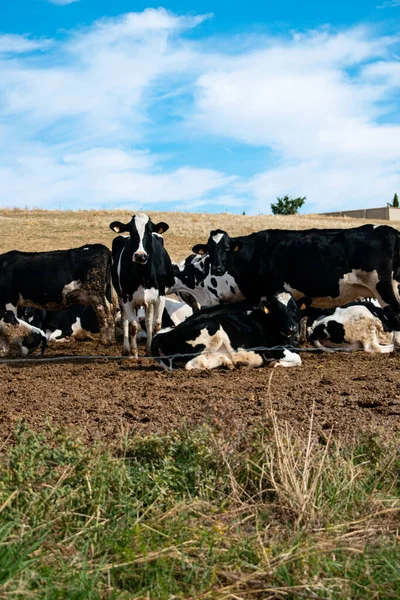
{"x":141,"y":272}
{"x":357,"y":325}
{"x":197,"y":286}
{"x":331,"y":266}
{"x":78,"y":322}
{"x":232,"y":334}
{"x":18,"y":338}
{"x":53,"y":280}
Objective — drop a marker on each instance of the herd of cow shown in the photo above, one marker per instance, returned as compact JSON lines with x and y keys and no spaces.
{"x":246,"y":300}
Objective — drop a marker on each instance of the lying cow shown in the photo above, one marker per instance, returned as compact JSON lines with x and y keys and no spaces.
{"x":232,"y":334}
{"x":197,"y":286}
{"x":331,"y":266}
{"x":357,"y":325}
{"x":18,"y":338}
{"x":54,"y":280}
{"x":77,"y":322}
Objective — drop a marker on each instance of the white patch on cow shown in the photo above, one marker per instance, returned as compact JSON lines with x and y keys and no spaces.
{"x":290,"y":359}
{"x":11,"y":307}
{"x":77,"y":326}
{"x":141,"y":220}
{"x":86,"y":248}
{"x":70,"y":287}
{"x":352,"y":285}
{"x":164,"y":330}
{"x":119,"y":266}
{"x":217,"y":237}
{"x":177,"y":311}
{"x":201,"y":293}
{"x":24,"y":350}
{"x":218,"y":351}
{"x":144,"y":296}
{"x":284,"y":298}
{"x":54,"y":335}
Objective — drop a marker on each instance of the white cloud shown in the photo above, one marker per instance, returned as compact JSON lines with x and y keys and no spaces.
{"x":19,"y":44}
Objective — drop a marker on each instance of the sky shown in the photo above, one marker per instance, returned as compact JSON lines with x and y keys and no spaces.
{"x":199,"y":106}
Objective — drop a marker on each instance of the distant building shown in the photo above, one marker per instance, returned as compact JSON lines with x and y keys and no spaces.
{"x":386,"y":213}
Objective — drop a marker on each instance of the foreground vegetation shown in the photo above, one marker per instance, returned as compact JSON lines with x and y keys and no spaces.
{"x":197,"y":515}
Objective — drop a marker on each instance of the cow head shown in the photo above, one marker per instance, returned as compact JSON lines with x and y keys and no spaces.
{"x":285,"y":314}
{"x":219,"y":247}
{"x":141,"y":230}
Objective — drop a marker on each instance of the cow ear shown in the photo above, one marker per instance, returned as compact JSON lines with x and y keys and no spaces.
{"x":236,"y":245}
{"x":304,"y":302}
{"x":266,"y":310}
{"x":199,"y":249}
{"x":161,"y":227}
{"x":118,"y":227}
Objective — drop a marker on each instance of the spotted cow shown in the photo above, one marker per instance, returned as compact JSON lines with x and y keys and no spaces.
{"x":58,"y":279}
{"x":331,"y":266}
{"x":141,"y":272}
{"x":18,"y":338}
{"x":232,"y":334}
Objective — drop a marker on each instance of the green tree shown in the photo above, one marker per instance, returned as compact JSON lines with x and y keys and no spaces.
{"x":395,"y":202}
{"x":287,"y":205}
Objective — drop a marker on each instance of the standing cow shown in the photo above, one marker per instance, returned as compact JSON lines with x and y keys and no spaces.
{"x":53,"y":280}
{"x":141,"y":273}
{"x":331,"y":266}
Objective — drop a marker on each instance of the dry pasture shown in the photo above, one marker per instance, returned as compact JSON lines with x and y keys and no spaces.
{"x":101,"y":399}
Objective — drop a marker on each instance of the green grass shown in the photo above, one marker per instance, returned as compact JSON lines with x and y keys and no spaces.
{"x":198,"y":515}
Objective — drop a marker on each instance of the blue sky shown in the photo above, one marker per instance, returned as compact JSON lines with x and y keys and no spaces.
{"x":208,"y":106}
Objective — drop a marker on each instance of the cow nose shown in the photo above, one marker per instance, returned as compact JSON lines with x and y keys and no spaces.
{"x":217,"y":271}
{"x":140,"y":257}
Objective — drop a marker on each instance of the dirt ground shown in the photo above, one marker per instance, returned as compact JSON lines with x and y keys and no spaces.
{"x":103,"y":399}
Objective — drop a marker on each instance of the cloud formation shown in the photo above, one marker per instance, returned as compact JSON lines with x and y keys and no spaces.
{"x":81,"y":120}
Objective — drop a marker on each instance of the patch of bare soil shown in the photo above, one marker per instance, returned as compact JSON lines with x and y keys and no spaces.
{"x":102,"y":399}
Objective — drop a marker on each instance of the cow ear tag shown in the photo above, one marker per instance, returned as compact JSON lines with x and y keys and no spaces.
{"x":236,"y":248}
{"x":266,"y":310}
{"x":303,"y":306}
{"x":117,"y":229}
{"x":201,"y":251}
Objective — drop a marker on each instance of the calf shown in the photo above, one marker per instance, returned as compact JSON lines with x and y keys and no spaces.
{"x":18,"y":338}
{"x":141,"y":273}
{"x":232,"y":334}
{"x":357,"y":325}
{"x":54,"y":280}
{"x":78,"y":322}
{"x":331,"y":266}
{"x":197,"y":286}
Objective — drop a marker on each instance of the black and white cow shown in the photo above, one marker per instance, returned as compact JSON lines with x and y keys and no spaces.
{"x":77,"y":322}
{"x":141,"y":272}
{"x":54,"y":280}
{"x":232,"y":334}
{"x":331,"y":266}
{"x":357,"y":325}
{"x":18,"y":338}
{"x":195,"y":284}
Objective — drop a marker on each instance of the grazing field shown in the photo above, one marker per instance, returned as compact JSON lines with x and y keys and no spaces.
{"x":121,"y":480}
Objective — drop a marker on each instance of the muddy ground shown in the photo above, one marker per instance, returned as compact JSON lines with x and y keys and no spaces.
{"x":102,"y":400}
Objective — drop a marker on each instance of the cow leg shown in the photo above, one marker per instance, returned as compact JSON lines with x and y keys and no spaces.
{"x":158,"y":313}
{"x":209,"y":361}
{"x":149,"y":326}
{"x":132,"y":348}
{"x":389,"y":300}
